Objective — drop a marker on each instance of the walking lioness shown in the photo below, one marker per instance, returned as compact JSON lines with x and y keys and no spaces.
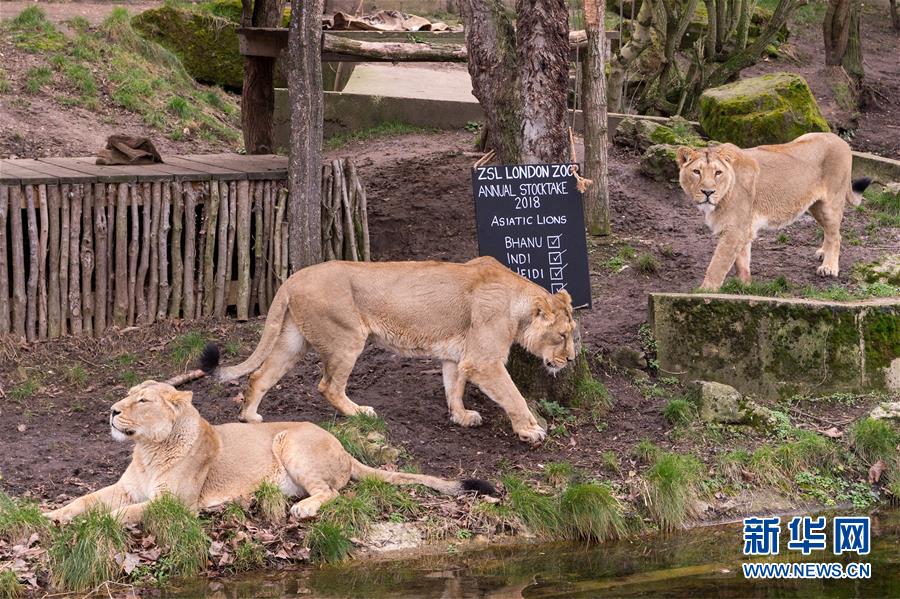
{"x":467,"y":315}
{"x":176,"y":451}
{"x":741,"y":192}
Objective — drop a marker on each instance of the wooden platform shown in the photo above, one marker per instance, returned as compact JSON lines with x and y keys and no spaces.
{"x":195,"y":167}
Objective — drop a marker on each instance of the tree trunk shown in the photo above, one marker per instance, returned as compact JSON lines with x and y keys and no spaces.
{"x":4,"y":268}
{"x":307,"y":112}
{"x":494,"y":68}
{"x":640,"y":41}
{"x":258,"y":98}
{"x":853,"y":57}
{"x":596,"y":197}
{"x":836,"y":30}
{"x":895,"y":15}
{"x":542,"y":43}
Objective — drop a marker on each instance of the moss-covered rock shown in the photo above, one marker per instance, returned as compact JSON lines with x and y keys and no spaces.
{"x":658,"y":162}
{"x":206,"y":44}
{"x":883,"y":270}
{"x":770,"y":109}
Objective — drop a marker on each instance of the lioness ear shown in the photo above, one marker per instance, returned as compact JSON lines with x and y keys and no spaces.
{"x":564,"y":296}
{"x":542,"y":308}
{"x":179,"y":399}
{"x":684,"y":154}
{"x":728,"y":152}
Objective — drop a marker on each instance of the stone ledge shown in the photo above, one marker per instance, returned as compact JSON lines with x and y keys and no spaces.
{"x":778,"y":347}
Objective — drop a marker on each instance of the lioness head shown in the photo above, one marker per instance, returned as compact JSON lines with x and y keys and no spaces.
{"x":148,"y":413}
{"x":551,"y":333}
{"x":707,"y":174}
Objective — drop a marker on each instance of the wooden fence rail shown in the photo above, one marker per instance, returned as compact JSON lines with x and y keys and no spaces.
{"x":86,"y":247}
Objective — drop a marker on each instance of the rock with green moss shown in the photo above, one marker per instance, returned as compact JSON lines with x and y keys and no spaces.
{"x":717,"y":402}
{"x":884,"y":270}
{"x":658,"y":162}
{"x":206,"y":44}
{"x":769,"y":109}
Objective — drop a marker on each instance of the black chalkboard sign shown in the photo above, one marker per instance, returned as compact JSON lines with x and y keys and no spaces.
{"x":530,"y":218}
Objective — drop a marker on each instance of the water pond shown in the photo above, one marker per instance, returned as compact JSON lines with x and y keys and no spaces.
{"x":704,"y":562}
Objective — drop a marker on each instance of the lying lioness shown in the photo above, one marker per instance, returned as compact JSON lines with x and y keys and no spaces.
{"x":741,"y":192}
{"x":176,"y":451}
{"x":467,"y":315}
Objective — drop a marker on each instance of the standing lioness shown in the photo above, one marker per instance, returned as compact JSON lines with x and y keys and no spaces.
{"x":741,"y":192}
{"x":467,"y":315}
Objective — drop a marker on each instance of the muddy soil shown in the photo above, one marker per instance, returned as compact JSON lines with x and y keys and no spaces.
{"x":54,"y":441}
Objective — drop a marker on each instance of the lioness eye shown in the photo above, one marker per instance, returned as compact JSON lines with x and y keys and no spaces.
{"x":696,"y":171}
{"x":718,"y":173}
{"x":142,"y":400}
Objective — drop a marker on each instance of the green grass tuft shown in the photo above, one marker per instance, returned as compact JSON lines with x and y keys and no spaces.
{"x":19,"y":519}
{"x":875,"y":440}
{"x":186,"y":349}
{"x":671,"y":484}
{"x":679,"y":411}
{"x":591,"y":393}
{"x":385,"y":497}
{"x":83,"y":553}
{"x":559,"y":474}
{"x":36,"y":78}
{"x":249,"y":555}
{"x":271,"y":503}
{"x":590,"y":513}
{"x":538,"y":512}
{"x":10,"y":587}
{"x":389,"y":129}
{"x":353,"y":433}
{"x":354,"y":512}
{"x":611,"y":462}
{"x":179,"y":530}
{"x":32,"y":32}
{"x":775,"y":288}
{"x":645,"y":451}
{"x":234,"y":514}
{"x":327,"y":542}
{"x":646,"y":264}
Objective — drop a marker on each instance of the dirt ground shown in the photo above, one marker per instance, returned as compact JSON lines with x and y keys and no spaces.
{"x":877,"y":129}
{"x":55,"y":442}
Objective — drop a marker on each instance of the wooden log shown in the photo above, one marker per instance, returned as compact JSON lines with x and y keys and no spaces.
{"x":337,"y":177}
{"x":4,"y":263}
{"x":53,"y":311}
{"x":153,"y":283}
{"x":201,"y":250}
{"x":276,"y":240}
{"x":243,"y":249}
{"x":44,"y":225}
{"x":212,"y":220}
{"x":18,"y":262}
{"x":285,"y":245}
{"x":87,"y":260}
{"x":102,"y":258}
{"x":120,"y":307}
{"x":327,"y":215}
{"x":112,"y":198}
{"x":63,"y":266}
{"x":190,"y":249}
{"x":144,"y":262}
{"x":393,"y":51}
{"x":77,"y":191}
{"x":362,"y":211}
{"x":351,"y":251}
{"x":134,"y":191}
{"x":269,"y":238}
{"x":232,"y":233}
{"x":31,"y":296}
{"x":164,"y":227}
{"x":256,"y":188}
{"x":177,"y":261}
{"x":222,"y":249}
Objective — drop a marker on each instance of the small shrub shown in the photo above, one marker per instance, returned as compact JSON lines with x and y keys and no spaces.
{"x":19,"y":519}
{"x":808,"y":451}
{"x":552,"y":410}
{"x":32,"y":17}
{"x":645,"y":451}
{"x":354,"y":513}
{"x":538,"y":512}
{"x":83,"y":553}
{"x":10,"y":587}
{"x":611,"y":461}
{"x":874,"y":440}
{"x":249,"y":555}
{"x":671,"y":484}
{"x":327,"y":542}
{"x":179,"y":530}
{"x":646,"y":264}
{"x":783,"y":238}
{"x":559,"y":473}
{"x":271,"y":502}
{"x":36,"y":78}
{"x":590,"y":513}
{"x":679,"y":411}
{"x":180,"y":107}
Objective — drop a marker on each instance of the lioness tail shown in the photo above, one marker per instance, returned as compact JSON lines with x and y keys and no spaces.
{"x":209,"y":360}
{"x":448,"y":487}
{"x":857,"y":187}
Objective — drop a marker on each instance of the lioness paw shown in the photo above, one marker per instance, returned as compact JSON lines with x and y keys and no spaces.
{"x":250,"y":417}
{"x":827,"y":270}
{"x":469,"y":418}
{"x":533,"y":434}
{"x":367,"y":410}
{"x":304,"y":512}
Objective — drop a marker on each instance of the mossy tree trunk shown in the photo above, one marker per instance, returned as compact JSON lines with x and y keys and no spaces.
{"x":895,"y":15}
{"x":640,"y":41}
{"x":307,"y":113}
{"x":258,"y":98}
{"x":521,"y":80}
{"x":843,"y":50}
{"x":596,"y":197}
